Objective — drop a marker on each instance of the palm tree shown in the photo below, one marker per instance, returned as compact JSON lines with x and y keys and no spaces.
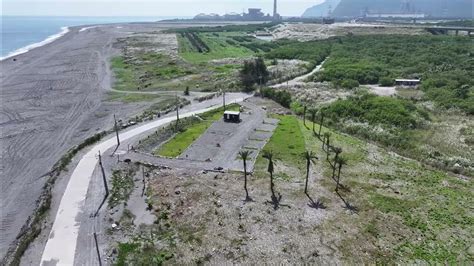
{"x":321,"y":114}
{"x":304,"y":115}
{"x":326,"y":135}
{"x":340,"y":161}
{"x":328,"y":146}
{"x":310,"y":157}
{"x":337,"y":151}
{"x":313,"y":112}
{"x":269,"y":156}
{"x":244,"y":155}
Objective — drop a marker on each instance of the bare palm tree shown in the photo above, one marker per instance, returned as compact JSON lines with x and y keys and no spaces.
{"x":304,"y":115}
{"x":326,"y":135}
{"x":244,"y":155}
{"x":310,"y":157}
{"x":328,"y":145}
{"x":337,"y":151}
{"x":269,"y":156}
{"x":321,"y":114}
{"x":341,"y":161}
{"x":313,"y":113}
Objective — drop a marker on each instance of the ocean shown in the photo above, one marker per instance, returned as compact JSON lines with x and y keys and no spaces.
{"x":20,"y":34}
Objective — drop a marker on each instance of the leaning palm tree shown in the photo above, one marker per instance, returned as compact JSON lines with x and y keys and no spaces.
{"x":269,"y":156}
{"x":313,"y":113}
{"x":337,"y":152}
{"x":341,"y":161}
{"x":310,"y":157}
{"x":244,"y":156}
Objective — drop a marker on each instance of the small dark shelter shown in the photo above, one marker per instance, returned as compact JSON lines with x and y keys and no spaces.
{"x":232,"y":116}
{"x":407,"y":82}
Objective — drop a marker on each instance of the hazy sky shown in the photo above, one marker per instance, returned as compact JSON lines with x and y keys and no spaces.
{"x":147,"y":7}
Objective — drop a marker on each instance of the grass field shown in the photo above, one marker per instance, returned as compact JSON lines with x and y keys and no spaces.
{"x":131,"y":97}
{"x":400,"y":211}
{"x":181,"y":141}
{"x":221,"y":45}
{"x":147,"y":71}
{"x":288,"y":154}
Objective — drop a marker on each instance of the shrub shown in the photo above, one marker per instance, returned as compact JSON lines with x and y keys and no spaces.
{"x":349,"y":84}
{"x":387,"y":82}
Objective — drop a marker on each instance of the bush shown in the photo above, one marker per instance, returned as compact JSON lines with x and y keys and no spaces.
{"x":386,"y":82}
{"x":349,"y":84}
{"x":253,"y":72}
{"x":279,"y":96}
{"x":376,"y":110}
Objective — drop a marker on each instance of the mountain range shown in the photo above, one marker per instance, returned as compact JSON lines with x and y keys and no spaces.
{"x":357,"y":8}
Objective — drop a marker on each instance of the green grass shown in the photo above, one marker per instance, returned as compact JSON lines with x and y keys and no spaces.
{"x":147,"y":70}
{"x":431,"y":210}
{"x":428,"y":218}
{"x":181,"y":141}
{"x":287,"y":144}
{"x":131,"y":97}
{"x":219,"y":45}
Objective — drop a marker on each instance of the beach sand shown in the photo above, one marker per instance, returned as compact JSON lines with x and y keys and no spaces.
{"x":52,"y":98}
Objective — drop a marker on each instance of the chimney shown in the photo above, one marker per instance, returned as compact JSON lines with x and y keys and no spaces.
{"x":275,"y":11}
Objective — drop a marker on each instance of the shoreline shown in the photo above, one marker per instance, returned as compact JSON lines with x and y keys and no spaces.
{"x":48,"y":40}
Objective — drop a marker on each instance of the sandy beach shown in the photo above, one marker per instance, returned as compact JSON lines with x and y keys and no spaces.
{"x":52,"y":98}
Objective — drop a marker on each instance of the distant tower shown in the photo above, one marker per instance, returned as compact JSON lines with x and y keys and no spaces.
{"x":275,"y":9}
{"x":330,"y":11}
{"x":444,"y":8}
{"x":406,"y":6}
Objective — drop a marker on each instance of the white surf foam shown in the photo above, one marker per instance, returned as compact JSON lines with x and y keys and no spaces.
{"x":50,"y":39}
{"x":88,"y":28}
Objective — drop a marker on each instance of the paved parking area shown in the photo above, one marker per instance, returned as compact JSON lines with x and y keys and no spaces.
{"x":221,"y":143}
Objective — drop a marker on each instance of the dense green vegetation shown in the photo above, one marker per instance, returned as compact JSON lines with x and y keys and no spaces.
{"x":376,"y":110}
{"x":314,"y":51}
{"x":280,"y":96}
{"x":207,"y":46}
{"x":444,"y":63}
{"x":228,"y":28}
{"x":457,"y":23}
{"x":254,"y":72}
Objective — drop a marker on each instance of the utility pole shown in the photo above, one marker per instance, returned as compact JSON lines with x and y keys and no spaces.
{"x":116,"y":131}
{"x":104,"y":179}
{"x":223,"y":98}
{"x":177,"y":111}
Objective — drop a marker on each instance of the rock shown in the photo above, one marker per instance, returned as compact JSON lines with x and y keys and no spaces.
{"x":177,"y":192}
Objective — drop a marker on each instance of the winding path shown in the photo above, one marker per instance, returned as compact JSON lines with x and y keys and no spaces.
{"x":61,"y":246}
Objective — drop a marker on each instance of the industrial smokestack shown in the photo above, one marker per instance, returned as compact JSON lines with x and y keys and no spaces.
{"x":275,"y":11}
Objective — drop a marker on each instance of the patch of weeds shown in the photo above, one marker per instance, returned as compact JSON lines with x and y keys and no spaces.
{"x":122,"y":186}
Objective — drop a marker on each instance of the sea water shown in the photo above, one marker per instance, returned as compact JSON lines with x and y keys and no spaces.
{"x":20,"y":34}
